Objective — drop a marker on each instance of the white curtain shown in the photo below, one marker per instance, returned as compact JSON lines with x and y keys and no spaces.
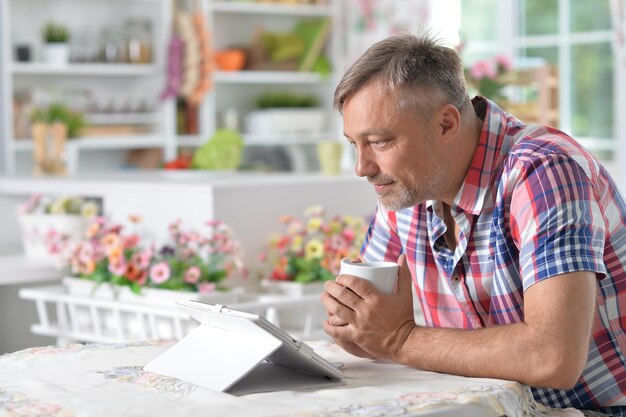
{"x":618,"y":14}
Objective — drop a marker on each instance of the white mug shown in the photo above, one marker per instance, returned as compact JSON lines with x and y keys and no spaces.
{"x":382,"y":274}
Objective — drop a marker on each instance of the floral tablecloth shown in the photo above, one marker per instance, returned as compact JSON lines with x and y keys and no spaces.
{"x":108,"y":380}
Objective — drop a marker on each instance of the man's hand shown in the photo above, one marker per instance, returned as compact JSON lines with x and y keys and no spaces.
{"x":365,"y":321}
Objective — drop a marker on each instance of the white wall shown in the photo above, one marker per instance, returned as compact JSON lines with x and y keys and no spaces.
{"x":4,"y":61}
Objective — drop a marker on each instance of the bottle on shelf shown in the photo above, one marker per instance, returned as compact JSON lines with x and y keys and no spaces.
{"x":139,"y":41}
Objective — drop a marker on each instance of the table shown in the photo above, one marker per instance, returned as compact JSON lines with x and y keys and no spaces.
{"x":108,"y":380}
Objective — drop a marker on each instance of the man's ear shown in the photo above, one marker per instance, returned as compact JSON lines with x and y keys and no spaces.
{"x":448,"y":121}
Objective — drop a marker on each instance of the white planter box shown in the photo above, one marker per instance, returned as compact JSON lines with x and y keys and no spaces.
{"x":156,"y":296}
{"x":36,"y":227}
{"x":293,"y":317}
{"x":110,"y":321}
{"x":285,"y":121}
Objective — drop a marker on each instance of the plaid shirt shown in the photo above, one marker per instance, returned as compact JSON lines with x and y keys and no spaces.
{"x":534,"y":204}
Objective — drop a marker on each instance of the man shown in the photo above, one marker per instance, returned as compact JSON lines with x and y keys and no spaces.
{"x":513,"y":236}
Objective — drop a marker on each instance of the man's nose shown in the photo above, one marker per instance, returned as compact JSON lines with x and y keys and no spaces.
{"x":365,"y":166}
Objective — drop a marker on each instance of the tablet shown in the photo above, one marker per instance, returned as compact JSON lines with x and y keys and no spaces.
{"x":241,"y":353}
{"x":291,"y":353}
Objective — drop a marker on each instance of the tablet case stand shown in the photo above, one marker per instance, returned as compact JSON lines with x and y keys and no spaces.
{"x":237,"y":362}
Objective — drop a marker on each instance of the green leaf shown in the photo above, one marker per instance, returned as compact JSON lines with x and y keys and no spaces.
{"x":217,"y":276}
{"x":135,"y":288}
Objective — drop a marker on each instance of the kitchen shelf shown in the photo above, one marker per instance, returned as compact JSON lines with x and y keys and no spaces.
{"x":268,"y":77}
{"x":250,"y":139}
{"x":287,"y":139}
{"x":85,"y":69}
{"x":100,"y":142}
{"x":271,"y":9}
{"x":121,"y":118}
{"x":233,"y":23}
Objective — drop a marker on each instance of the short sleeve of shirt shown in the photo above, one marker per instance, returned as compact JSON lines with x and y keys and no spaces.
{"x":381,"y":241}
{"x":556,"y":221}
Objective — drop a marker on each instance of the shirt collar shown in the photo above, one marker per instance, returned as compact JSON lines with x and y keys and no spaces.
{"x":487,"y":158}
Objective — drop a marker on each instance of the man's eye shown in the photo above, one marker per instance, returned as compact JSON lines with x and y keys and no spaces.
{"x":378,"y":143}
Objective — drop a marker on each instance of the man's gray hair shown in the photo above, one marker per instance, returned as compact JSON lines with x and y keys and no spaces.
{"x":424,"y":74}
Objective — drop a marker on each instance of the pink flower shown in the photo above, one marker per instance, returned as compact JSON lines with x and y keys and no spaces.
{"x":213,"y":223}
{"x":131,"y":241}
{"x":262,"y":256}
{"x":295,"y":227}
{"x":143,"y":258}
{"x":183,"y":239}
{"x":348,"y":234}
{"x":206,"y":287}
{"x":85,"y":253}
{"x":30,"y":205}
{"x":504,"y":62}
{"x":160,"y":273}
{"x":118,"y":267}
{"x":483,"y":69}
{"x":192,"y":275}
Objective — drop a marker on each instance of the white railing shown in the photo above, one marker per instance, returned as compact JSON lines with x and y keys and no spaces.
{"x":78,"y":318}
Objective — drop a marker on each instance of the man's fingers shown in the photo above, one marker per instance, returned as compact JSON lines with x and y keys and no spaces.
{"x":335,"y":307}
{"x":342,"y":294}
{"x":362,"y":288}
{"x":336,"y":321}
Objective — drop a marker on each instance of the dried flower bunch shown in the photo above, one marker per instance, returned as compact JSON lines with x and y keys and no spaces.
{"x":313,"y":247}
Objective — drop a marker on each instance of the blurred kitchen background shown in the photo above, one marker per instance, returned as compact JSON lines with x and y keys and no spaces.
{"x":143,"y":84}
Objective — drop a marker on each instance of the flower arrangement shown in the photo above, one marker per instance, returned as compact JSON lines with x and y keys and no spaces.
{"x":189,"y":261}
{"x":313,"y":247}
{"x":488,"y":76}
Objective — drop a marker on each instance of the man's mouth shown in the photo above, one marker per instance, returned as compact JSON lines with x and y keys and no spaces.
{"x":382,"y":187}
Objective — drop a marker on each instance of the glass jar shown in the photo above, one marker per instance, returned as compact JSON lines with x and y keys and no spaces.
{"x":113,"y":45}
{"x":139,"y":41}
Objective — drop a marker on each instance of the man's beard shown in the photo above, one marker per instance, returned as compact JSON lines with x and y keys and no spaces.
{"x":395,"y":199}
{"x":403,"y":194}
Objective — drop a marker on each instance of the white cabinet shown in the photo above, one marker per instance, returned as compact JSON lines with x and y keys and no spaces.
{"x":233,"y":24}
{"x":230,"y":23}
{"x":106,"y":91}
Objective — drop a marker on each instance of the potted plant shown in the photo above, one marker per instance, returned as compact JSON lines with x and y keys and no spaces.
{"x":298,"y":262}
{"x":488,"y":77}
{"x":312,"y":248}
{"x":56,"y":49}
{"x":50,"y":128}
{"x":285,"y":113}
{"x":60,"y":113}
{"x":43,"y":220}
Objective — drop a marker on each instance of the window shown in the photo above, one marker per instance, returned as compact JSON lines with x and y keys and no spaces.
{"x":573,"y":36}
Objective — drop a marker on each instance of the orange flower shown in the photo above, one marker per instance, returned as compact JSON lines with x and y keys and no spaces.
{"x":93,"y":230}
{"x":114,"y":253}
{"x":110,"y":240}
{"x":88,"y":267}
